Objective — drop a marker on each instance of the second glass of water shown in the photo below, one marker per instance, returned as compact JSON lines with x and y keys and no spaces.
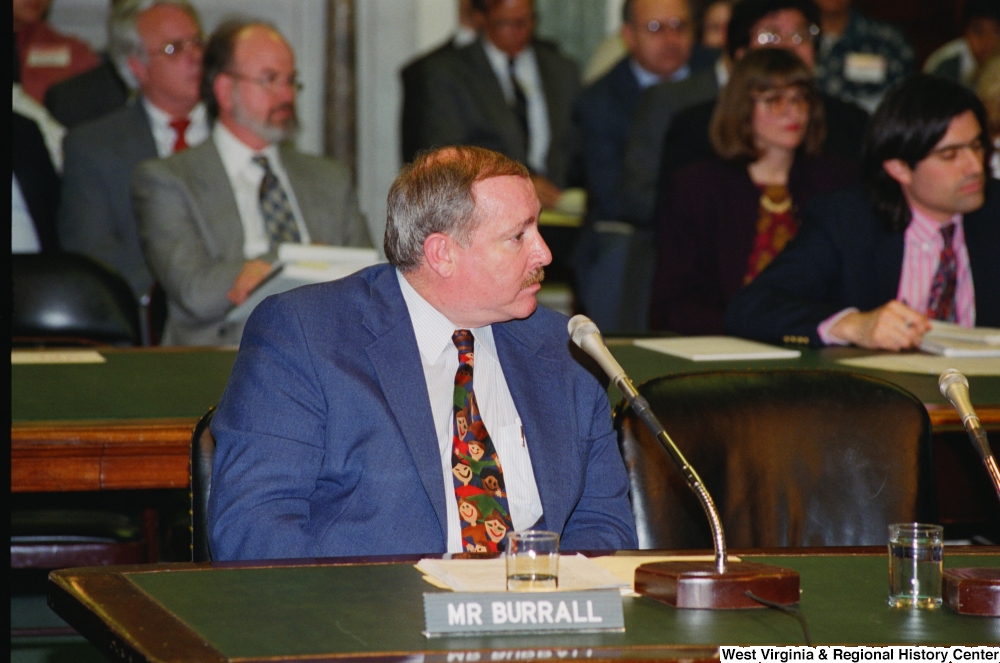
{"x":915,"y":561}
{"x":532,"y":561}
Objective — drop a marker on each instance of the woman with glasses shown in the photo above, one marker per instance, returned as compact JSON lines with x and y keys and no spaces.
{"x":722,"y":220}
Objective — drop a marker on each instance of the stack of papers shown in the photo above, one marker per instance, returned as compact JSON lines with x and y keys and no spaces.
{"x":951,"y":340}
{"x":716,"y":348}
{"x":303,"y":264}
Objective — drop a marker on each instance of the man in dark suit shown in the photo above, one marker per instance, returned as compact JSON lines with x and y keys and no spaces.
{"x":35,"y":195}
{"x":659,"y":35}
{"x":872,"y":267}
{"x":470,"y":23}
{"x":211,"y":218}
{"x":424,"y":406}
{"x":162,"y":40}
{"x":506,"y":92}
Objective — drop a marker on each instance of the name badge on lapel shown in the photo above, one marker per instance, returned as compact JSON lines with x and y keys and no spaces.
{"x":48,"y":56}
{"x":865,"y":68}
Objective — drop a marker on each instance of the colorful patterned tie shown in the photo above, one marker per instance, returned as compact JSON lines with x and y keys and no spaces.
{"x":475,"y":466}
{"x":941,"y":305}
{"x":275,"y":207}
{"x":180,"y":127}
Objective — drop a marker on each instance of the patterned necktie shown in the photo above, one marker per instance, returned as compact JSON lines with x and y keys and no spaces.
{"x":941,"y":305}
{"x":274,"y":205}
{"x":475,"y":466}
{"x":180,"y":127}
{"x":520,"y":107}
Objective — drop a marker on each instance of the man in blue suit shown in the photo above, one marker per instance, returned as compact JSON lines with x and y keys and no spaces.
{"x":350,"y":425}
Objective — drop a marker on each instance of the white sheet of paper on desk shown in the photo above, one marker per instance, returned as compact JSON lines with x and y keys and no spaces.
{"x":304,"y":264}
{"x":951,"y":340}
{"x":715,"y":348}
{"x":917,"y":362}
{"x":576,"y":573}
{"x":56,"y":357}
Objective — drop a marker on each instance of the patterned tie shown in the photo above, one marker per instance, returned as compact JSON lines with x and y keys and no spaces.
{"x":274,"y":205}
{"x":475,"y":466}
{"x":941,"y":305}
{"x":520,"y":107}
{"x":180,"y":126}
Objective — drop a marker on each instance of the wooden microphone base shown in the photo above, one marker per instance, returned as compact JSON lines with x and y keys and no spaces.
{"x":971,"y":591}
{"x":698,"y":585}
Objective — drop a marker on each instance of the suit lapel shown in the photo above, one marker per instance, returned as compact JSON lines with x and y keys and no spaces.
{"x":213,"y":193}
{"x":489,"y":95}
{"x":982,"y":237}
{"x":889,"y":263}
{"x":299,"y":176}
{"x":140,"y":144}
{"x":543,"y":400}
{"x":396,"y":358}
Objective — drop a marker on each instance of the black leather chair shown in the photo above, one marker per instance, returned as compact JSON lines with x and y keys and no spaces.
{"x":791,"y":458}
{"x":202,"y":457}
{"x":70,"y":299}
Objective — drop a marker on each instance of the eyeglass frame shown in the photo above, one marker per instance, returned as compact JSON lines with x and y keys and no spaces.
{"x":271,"y":84}
{"x":177,"y":47}
{"x":671,"y":26}
{"x":771,"y":38}
{"x":771,"y":98}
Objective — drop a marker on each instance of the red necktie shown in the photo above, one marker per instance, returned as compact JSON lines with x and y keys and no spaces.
{"x":180,"y":126}
{"x":941,"y":305}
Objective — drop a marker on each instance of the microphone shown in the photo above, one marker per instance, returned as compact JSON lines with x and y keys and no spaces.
{"x":955,"y":387}
{"x":587,"y":336}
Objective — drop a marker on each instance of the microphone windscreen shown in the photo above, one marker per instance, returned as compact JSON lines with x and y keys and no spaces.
{"x":580,"y":326}
{"x":949,"y":378}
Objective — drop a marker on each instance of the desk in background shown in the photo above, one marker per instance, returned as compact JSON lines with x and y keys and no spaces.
{"x":330,"y":610}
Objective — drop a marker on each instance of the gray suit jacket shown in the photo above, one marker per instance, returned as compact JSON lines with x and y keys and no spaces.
{"x":192,"y":235}
{"x":463,"y":104}
{"x":95,"y":217}
{"x":641,"y":164}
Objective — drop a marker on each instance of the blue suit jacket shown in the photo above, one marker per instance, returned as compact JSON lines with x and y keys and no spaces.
{"x":326,"y":443}
{"x":845,"y":256}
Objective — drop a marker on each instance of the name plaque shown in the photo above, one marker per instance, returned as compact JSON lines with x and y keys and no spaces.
{"x":473,"y":613}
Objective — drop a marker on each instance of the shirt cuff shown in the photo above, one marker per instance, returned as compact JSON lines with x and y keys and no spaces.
{"x":823,"y":330}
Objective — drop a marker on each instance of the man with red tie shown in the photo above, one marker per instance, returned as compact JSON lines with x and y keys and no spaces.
{"x":425,"y":406}
{"x":159,"y":43}
{"x":872,"y":267}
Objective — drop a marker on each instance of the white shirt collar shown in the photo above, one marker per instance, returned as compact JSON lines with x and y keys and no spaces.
{"x":498,"y":57}
{"x":433,"y":329}
{"x":163,"y":118}
{"x":235,"y":154}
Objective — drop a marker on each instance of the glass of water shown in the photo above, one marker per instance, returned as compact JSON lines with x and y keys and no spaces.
{"x":915,"y":556}
{"x":532,"y":561}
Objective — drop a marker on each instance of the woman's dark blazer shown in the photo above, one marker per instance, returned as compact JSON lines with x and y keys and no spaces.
{"x":706,"y":228}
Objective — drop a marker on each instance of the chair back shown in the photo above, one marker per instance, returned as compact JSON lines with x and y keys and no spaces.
{"x":70,"y":299}
{"x":791,"y":458}
{"x":202,"y":457}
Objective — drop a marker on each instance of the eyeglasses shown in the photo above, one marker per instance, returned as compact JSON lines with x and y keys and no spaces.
{"x":950,"y":152}
{"x":672,"y":25}
{"x":272,"y":83}
{"x":779,"y":102}
{"x":174,"y":48}
{"x":771,"y":38}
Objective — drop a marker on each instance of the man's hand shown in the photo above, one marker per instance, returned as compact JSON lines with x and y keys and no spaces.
{"x":547,"y":192}
{"x":249,"y":277}
{"x":892,"y":326}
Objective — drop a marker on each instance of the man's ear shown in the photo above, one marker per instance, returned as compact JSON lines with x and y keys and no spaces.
{"x":629,"y":37}
{"x":138,"y":69}
{"x":222,"y":88}
{"x":439,"y":255}
{"x":898,"y":170}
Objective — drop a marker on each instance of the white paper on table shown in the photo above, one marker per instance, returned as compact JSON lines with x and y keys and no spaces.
{"x":950,"y":347}
{"x":949,"y":330}
{"x":715,"y":348}
{"x":924,"y":364}
{"x":576,"y":573}
{"x":56,"y":357}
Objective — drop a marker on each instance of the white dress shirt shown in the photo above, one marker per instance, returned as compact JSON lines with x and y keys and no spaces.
{"x":439,"y":358}
{"x":245,"y":177}
{"x":164,"y":135}
{"x":530,"y":80}
{"x":23,"y":236}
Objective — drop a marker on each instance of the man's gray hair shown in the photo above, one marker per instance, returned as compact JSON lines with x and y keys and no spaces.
{"x":434,"y":195}
{"x":123,"y":35}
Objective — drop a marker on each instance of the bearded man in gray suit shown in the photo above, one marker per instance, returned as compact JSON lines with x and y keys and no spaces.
{"x":506,"y":92}
{"x":158,"y":42}
{"x":211,"y":218}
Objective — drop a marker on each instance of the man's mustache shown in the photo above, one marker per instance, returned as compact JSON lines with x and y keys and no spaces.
{"x":537,"y":275}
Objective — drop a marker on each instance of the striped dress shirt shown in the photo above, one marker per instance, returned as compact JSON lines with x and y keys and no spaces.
{"x":439,"y":358}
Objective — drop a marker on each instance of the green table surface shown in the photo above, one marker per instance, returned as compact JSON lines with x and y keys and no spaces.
{"x":151,"y":384}
{"x":310,"y":610}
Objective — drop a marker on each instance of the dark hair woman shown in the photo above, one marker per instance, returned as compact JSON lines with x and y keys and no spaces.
{"x":722,"y":220}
